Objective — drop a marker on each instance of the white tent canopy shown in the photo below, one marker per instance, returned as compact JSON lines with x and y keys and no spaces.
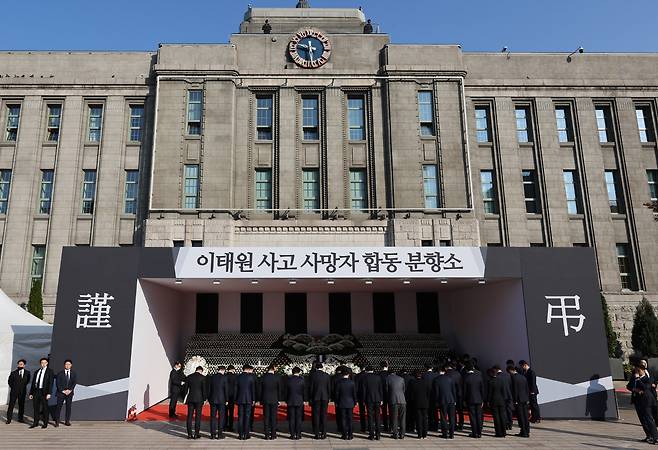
{"x":22,"y":336}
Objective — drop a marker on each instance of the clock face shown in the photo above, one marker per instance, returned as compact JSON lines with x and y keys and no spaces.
{"x":309,"y":49}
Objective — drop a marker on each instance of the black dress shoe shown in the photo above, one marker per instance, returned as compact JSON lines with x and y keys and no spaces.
{"x":8,"y":421}
{"x":34,"y":425}
{"x":44,"y":426}
{"x":56,"y":424}
{"x":220,"y":436}
{"x":68,"y":424}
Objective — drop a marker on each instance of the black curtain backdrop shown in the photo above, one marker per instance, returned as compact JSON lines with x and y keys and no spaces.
{"x":251,"y":312}
{"x":296,"y":312}
{"x":383,"y":308}
{"x":427,"y":310}
{"x":340,"y":313}
{"x":207,"y":313}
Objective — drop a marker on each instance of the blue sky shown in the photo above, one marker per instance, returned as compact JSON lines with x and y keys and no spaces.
{"x":479,"y":25}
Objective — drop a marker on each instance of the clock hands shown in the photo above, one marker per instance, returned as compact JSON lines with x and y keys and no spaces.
{"x":309,"y":48}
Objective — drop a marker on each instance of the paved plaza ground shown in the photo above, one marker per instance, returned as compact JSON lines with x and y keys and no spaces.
{"x":550,"y":434}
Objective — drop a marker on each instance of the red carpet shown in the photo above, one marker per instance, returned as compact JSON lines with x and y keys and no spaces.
{"x":160,"y":412}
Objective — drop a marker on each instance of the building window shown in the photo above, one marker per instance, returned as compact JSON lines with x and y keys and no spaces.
{"x":95,"y":123}
{"x":613,"y":188}
{"x":431,"y":186}
{"x":38,"y":260}
{"x":13,"y":118}
{"x":311,"y":189}
{"x":264,"y":189}
{"x":572,"y":192}
{"x":358,"y":190}
{"x":625,"y":267}
{"x":194,"y":108}
{"x":179,"y":244}
{"x":191,"y":186}
{"x":645,"y":123}
{"x":356,"y":116}
{"x":264,"y":115}
{"x":88,"y":191}
{"x":54,"y":121}
{"x":427,"y":243}
{"x":482,"y":124}
{"x":136,"y":122}
{"x":5,"y":185}
{"x":197,"y":243}
{"x":652,"y":177}
{"x":488,"y":192}
{"x":563,"y":120}
{"x":426,"y":113}
{"x":523,"y":131}
{"x":311,"y":117}
{"x":46,"y":194}
{"x":131,"y":190}
{"x":604,"y":124}
{"x":530,"y":191}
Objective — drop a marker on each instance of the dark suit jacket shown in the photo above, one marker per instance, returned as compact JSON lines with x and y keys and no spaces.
{"x":270,"y":389}
{"x":459,"y":381}
{"x":359,"y":379}
{"x":497,"y":394}
{"x":345,"y":395}
{"x":444,"y":390}
{"x":176,"y":379}
{"x":245,"y":389}
{"x":62,"y":385}
{"x":520,"y":391}
{"x":383,"y":374}
{"x":419,"y":393}
{"x":196,"y":388}
{"x":507,"y":379}
{"x":319,"y":386}
{"x":532,"y":381}
{"x":373,"y":389}
{"x":295,"y":391}
{"x":218,"y":392}
{"x":473,"y":388}
{"x":48,"y":378}
{"x":18,"y":384}
{"x":396,"y":387}
{"x":231,"y":380}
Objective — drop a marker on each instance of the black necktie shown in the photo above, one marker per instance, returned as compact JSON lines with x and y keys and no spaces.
{"x":68,"y":379}
{"x":39,"y":379}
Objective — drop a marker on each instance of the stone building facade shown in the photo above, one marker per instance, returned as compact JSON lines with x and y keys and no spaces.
{"x":264,"y":141}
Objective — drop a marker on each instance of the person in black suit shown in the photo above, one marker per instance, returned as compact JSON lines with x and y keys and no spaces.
{"x":42,"y":385}
{"x":66,"y":381}
{"x":245,"y":396}
{"x":218,"y":397}
{"x":231,"y":378}
{"x":319,"y":393}
{"x":520,"y":399}
{"x":418,"y":393}
{"x":444,"y":393}
{"x":497,"y":398}
{"x":509,"y":408}
{"x":345,"y":398}
{"x":373,"y":395}
{"x":196,"y":396}
{"x":18,"y":381}
{"x":474,"y":399}
{"x":432,"y":417}
{"x":176,"y":386}
{"x":270,"y":393}
{"x":535,"y":414}
{"x":456,"y":376}
{"x":509,"y":404}
{"x":640,"y":386}
{"x":358,"y":380}
{"x":386,"y":407}
{"x":295,"y":403}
